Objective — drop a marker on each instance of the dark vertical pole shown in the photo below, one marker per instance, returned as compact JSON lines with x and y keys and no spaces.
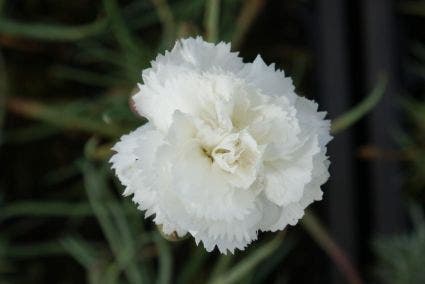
{"x":333,"y":78}
{"x":379,"y":51}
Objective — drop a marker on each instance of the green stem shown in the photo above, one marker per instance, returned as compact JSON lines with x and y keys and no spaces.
{"x":49,"y":114}
{"x":247,"y":264}
{"x":317,"y":231}
{"x":51,"y":32}
{"x":119,"y":28}
{"x":212,"y":14}
{"x":167,"y":20}
{"x":347,"y":119}
{"x":165,"y":260}
{"x":249,"y":13}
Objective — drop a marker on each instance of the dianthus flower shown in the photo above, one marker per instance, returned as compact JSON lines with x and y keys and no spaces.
{"x":229,"y":149}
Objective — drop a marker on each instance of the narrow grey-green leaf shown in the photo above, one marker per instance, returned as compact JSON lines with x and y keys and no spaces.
{"x":352,"y":116}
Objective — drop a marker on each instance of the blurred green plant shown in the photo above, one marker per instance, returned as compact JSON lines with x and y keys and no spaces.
{"x":132,"y":252}
{"x":411,"y":138}
{"x":413,"y":150}
{"x":412,"y":143}
{"x":401,"y":257}
{"x":356,"y":113}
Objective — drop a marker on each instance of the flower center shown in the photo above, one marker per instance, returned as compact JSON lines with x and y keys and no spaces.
{"x":226,"y":155}
{"x":237,"y":156}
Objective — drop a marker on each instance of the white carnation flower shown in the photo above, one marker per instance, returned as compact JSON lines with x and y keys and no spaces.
{"x":229,"y":148}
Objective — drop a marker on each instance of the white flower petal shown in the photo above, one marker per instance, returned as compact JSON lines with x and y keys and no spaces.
{"x":287,"y":178}
{"x":139,"y":144}
{"x":229,"y":149}
{"x":269,"y":80}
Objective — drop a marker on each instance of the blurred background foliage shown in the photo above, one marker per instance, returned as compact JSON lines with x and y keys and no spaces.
{"x":67,"y":69}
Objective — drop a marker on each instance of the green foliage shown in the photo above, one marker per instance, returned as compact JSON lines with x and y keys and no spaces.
{"x":359,"y":111}
{"x":99,"y":231}
{"x":50,"y":32}
{"x":412,"y":142}
{"x":413,"y":147}
{"x":245,"y":266}
{"x":125,"y":249}
{"x":401,"y":258}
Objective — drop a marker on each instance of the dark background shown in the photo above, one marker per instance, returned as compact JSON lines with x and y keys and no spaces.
{"x":64,"y":87}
